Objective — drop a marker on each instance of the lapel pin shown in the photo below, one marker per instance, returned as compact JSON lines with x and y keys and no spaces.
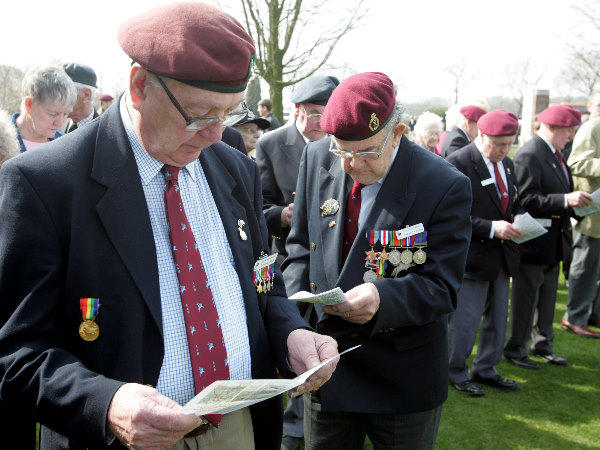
{"x":332,"y":224}
{"x":243,"y":236}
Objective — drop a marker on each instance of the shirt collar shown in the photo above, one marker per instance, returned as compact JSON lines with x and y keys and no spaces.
{"x":547,"y":142}
{"x":148,"y":166}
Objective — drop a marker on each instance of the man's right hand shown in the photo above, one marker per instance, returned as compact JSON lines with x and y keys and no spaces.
{"x":286,"y":215}
{"x":578,"y":199}
{"x":506,"y":230}
{"x":140,"y":417}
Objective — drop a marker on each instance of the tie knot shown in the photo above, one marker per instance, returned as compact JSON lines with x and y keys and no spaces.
{"x":356,"y":186}
{"x":170,"y":172}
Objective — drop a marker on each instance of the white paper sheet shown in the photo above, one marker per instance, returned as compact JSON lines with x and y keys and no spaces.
{"x":592,"y":207}
{"x":332,"y":297}
{"x":224,"y":396}
{"x":530,"y":228}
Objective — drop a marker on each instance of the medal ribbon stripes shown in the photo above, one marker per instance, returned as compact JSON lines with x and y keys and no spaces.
{"x":89,"y":307}
{"x":264,"y":272}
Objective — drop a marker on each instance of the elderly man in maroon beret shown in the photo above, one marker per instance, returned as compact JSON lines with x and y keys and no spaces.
{"x":389,"y":225}
{"x":546,"y":190}
{"x":465,"y":130}
{"x":151,"y":278}
{"x":493,"y":257}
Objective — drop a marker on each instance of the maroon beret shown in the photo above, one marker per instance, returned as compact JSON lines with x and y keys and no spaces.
{"x":560,"y":116}
{"x":359,"y":107}
{"x":191,"y":42}
{"x":498,"y":123}
{"x":472,"y":112}
{"x":106,"y":97}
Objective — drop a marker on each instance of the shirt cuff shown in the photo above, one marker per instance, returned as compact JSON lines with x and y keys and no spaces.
{"x":493,"y":229}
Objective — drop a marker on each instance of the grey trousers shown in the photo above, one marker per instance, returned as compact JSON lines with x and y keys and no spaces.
{"x":347,"y":431}
{"x":532,"y":310}
{"x":584,"y":280}
{"x":485,"y":302}
{"x":293,"y":417}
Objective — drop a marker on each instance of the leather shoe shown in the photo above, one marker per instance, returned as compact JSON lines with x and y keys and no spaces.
{"x":498,"y":382}
{"x":552,"y":358}
{"x":524,"y":362}
{"x":579,"y":330}
{"x":469,"y":388}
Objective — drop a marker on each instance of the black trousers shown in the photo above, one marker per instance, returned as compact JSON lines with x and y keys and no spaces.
{"x":347,"y":431}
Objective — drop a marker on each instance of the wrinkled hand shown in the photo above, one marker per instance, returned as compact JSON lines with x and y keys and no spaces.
{"x":361,"y":305}
{"x":506,"y":230}
{"x":140,"y":417}
{"x":286,"y":215}
{"x":306,"y":350}
{"x":578,"y":199}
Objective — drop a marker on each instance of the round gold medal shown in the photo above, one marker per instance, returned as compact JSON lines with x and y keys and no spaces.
{"x":394,"y":257}
{"x":419,"y":257}
{"x":89,"y":330}
{"x":406,"y":257}
{"x":369,"y":276}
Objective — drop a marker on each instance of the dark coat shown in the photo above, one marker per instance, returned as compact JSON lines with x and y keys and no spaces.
{"x":74,"y":223}
{"x":457,"y":138}
{"x":543,"y":187}
{"x":486,"y":256}
{"x":402,"y":366}
{"x":278,"y":157}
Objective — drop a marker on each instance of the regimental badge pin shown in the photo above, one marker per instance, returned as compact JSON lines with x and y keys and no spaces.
{"x":332,"y":224}
{"x":241,"y":224}
{"x":330,"y":206}
{"x":89,"y":330}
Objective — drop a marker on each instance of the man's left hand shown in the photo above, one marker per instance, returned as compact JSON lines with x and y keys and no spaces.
{"x":306,"y":350}
{"x":362,"y":304}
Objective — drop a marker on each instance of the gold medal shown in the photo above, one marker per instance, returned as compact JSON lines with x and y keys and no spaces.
{"x":406,"y":257}
{"x":89,"y":330}
{"x":420,"y":256}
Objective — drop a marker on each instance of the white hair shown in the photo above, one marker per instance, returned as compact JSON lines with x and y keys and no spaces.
{"x":425,"y":119}
{"x":48,"y":85}
{"x":9,"y":144}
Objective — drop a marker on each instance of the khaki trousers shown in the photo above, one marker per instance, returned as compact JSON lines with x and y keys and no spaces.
{"x":234,"y":432}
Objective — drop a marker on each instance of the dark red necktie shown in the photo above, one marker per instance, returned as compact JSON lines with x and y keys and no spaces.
{"x":351,"y":224}
{"x":501,"y":188}
{"x":203,"y":329}
{"x":562,"y":165}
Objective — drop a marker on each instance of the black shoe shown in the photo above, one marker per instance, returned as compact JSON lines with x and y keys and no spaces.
{"x":498,"y":382}
{"x":290,"y":443}
{"x":469,"y":388}
{"x":524,"y":362}
{"x":552,"y":358}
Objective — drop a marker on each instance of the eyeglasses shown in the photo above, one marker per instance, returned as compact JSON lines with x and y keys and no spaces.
{"x":367,"y":156}
{"x":310,"y":116}
{"x":194,"y":123}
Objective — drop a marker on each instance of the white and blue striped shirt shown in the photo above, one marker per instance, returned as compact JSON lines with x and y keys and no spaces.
{"x":176,"y":379}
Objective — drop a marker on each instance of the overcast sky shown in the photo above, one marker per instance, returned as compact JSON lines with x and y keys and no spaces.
{"x":411,"y":41}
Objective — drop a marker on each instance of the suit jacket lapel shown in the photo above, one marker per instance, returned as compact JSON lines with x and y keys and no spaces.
{"x":553,"y":163}
{"x":332,"y":185}
{"x":123,"y":210}
{"x":483,"y":172}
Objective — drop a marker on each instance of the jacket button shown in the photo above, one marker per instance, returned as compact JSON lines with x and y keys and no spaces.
{"x":313,"y":286}
{"x":313,"y":246}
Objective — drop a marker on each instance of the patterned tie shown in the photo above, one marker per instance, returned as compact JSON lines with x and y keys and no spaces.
{"x":562,"y":165}
{"x":501,"y":188}
{"x":351,"y":224}
{"x":208,"y":354}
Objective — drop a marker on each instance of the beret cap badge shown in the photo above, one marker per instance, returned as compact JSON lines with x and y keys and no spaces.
{"x":374,"y":122}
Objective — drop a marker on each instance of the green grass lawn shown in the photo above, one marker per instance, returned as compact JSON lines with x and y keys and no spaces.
{"x":554,"y":408}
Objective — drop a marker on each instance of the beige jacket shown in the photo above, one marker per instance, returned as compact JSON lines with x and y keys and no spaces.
{"x":584,"y":162}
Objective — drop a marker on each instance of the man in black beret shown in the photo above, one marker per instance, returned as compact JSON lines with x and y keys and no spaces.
{"x":278,"y":157}
{"x":84,"y":79}
{"x":146,"y":231}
